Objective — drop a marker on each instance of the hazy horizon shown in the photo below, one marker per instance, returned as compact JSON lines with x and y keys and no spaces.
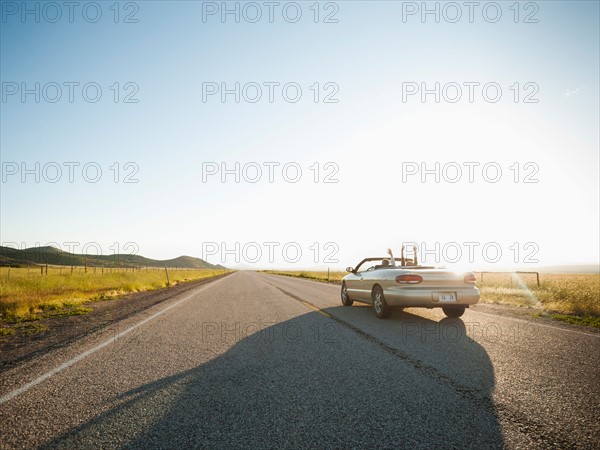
{"x":560,"y":268}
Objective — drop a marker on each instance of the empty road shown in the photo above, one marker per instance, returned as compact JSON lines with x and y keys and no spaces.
{"x":261,"y":361}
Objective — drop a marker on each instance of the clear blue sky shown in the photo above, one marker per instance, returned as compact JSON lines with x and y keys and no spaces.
{"x":170,"y":132}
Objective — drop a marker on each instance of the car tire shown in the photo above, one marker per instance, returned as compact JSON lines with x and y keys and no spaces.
{"x":346,"y":300}
{"x":380,"y":307}
{"x":454,"y":311}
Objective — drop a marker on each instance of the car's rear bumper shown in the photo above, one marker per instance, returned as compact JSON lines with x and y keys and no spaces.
{"x":430,"y":298}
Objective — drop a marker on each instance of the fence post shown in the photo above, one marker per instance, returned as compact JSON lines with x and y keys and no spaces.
{"x":328,"y":274}
{"x":537,"y":275}
{"x":168,"y":281}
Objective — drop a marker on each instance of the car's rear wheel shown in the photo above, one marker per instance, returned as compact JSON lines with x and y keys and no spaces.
{"x":454,"y":311}
{"x":346,"y":301}
{"x":380,"y":307}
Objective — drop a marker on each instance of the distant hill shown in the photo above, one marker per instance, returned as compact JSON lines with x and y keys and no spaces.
{"x":51,"y":255}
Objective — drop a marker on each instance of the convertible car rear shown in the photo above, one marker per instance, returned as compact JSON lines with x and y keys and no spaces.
{"x":386,"y":286}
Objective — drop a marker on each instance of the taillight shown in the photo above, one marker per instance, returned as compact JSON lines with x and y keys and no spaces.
{"x":409,"y":279}
{"x":470,"y":278}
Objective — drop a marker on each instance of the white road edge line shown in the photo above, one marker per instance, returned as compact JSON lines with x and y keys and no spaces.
{"x":516,"y":319}
{"x":76,"y":359}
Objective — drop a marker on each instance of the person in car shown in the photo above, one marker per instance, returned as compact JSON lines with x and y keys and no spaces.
{"x":391,"y":261}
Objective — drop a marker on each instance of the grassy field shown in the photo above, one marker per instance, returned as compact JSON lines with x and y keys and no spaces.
{"x":27,"y":294}
{"x":566,"y":297}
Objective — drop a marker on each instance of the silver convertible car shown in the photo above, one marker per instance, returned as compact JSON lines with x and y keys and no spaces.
{"x":374,"y":281}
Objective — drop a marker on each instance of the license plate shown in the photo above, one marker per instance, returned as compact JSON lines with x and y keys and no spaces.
{"x":447,"y":296}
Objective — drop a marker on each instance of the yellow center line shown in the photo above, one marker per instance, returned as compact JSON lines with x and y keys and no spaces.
{"x":316,"y":308}
{"x":304,"y":302}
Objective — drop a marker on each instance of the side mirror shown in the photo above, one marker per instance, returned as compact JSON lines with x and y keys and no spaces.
{"x":350,"y":269}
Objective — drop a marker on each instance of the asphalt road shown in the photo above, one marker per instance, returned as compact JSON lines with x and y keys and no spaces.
{"x":261,"y":361}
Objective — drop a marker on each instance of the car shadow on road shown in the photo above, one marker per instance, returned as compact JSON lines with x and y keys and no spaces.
{"x":447,"y":345}
{"x":313,"y":381}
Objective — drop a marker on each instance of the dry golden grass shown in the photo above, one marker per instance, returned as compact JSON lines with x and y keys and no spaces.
{"x":26,"y":294}
{"x":558,"y":293}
